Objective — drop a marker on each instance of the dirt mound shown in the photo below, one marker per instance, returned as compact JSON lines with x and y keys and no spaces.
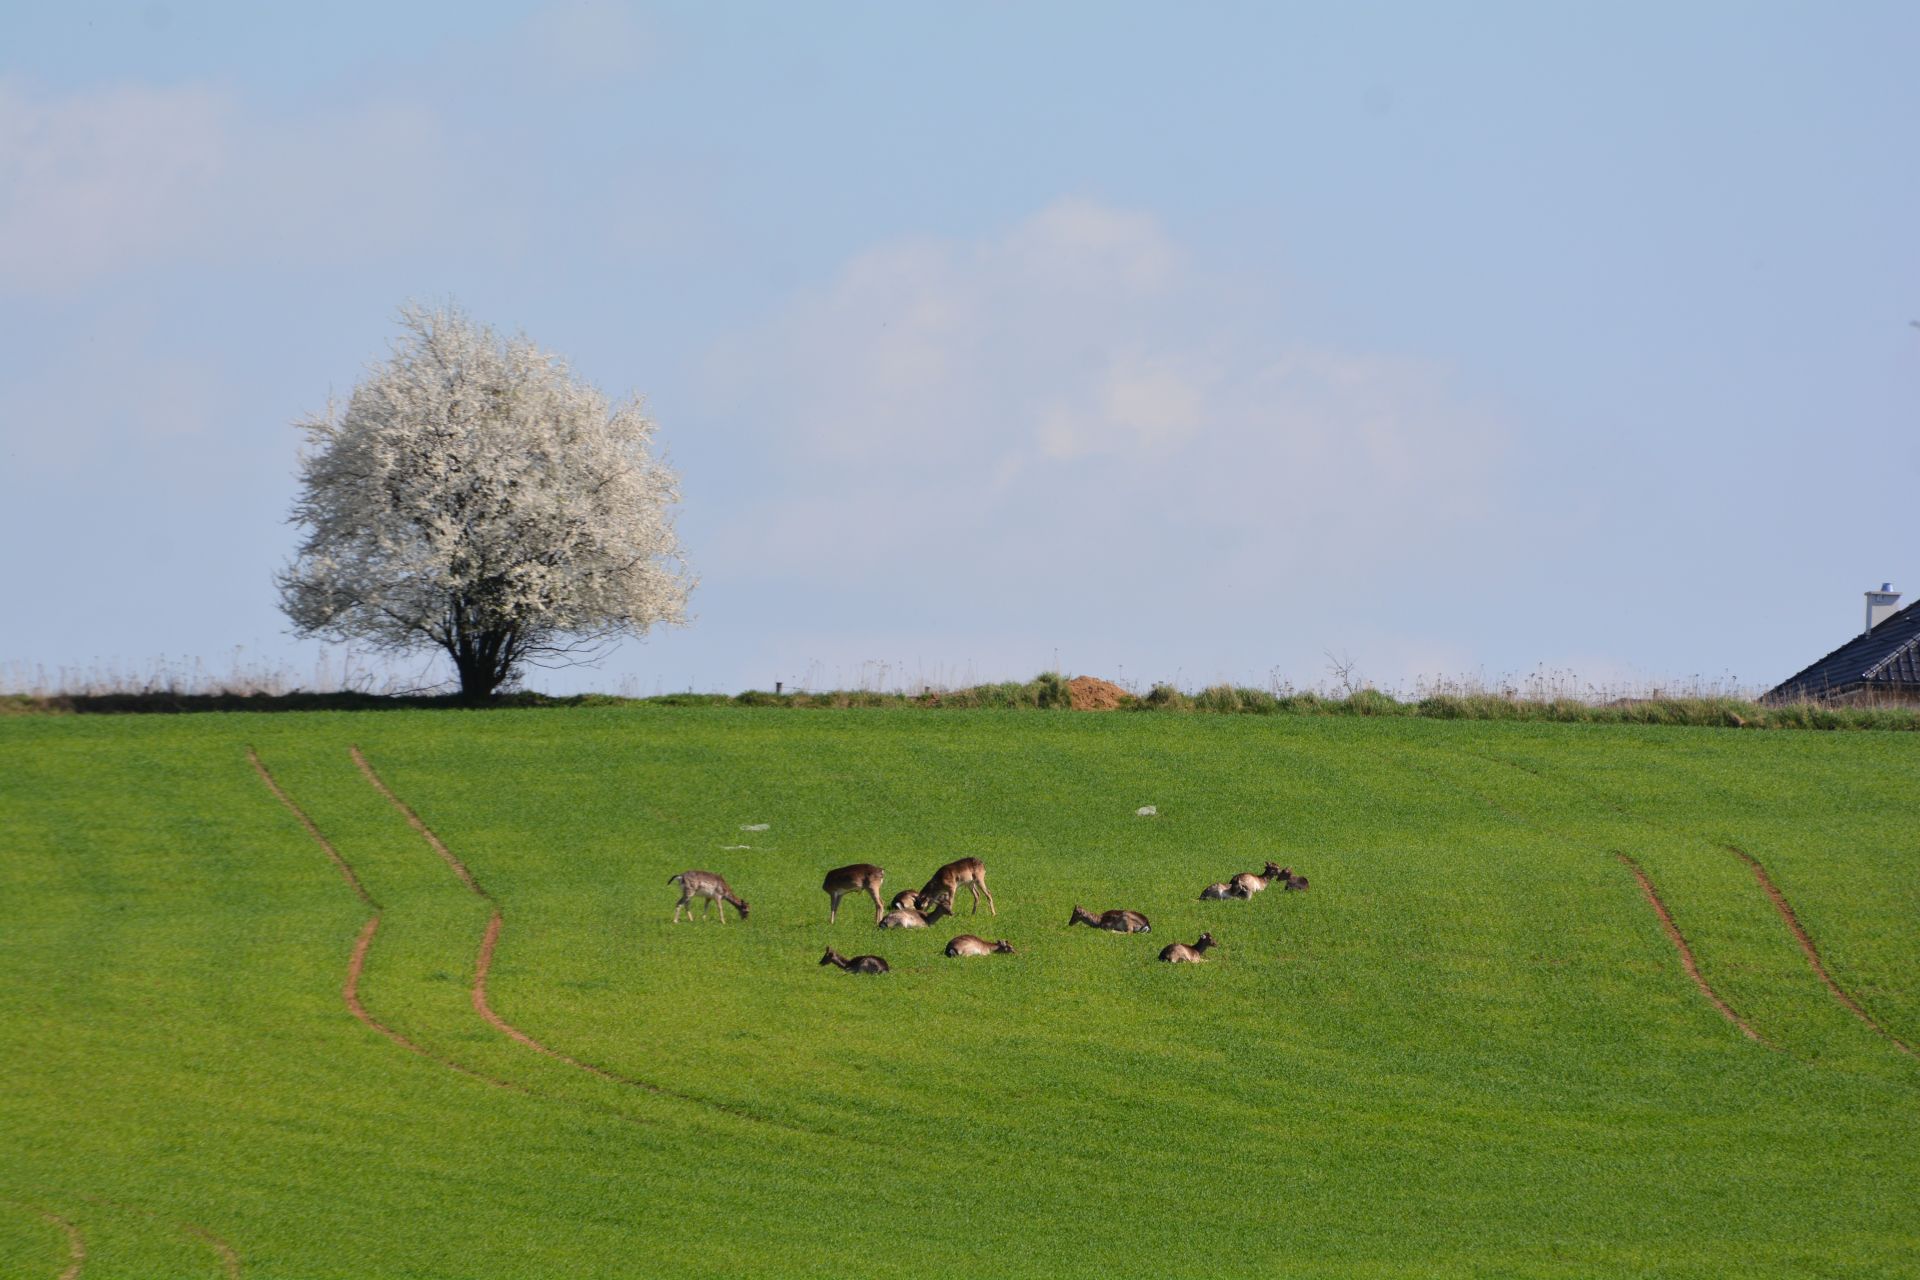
{"x":1090,"y":693}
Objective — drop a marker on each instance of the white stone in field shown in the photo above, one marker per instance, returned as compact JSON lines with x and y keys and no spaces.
{"x":731,"y":847}
{"x":754,"y":826}
{"x":1146,"y":811}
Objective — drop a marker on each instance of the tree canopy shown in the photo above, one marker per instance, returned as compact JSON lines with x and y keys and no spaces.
{"x":477,"y":497}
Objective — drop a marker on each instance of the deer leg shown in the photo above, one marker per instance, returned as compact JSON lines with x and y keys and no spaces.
{"x":833,"y":910}
{"x":879,"y":907}
{"x":983,"y":889}
{"x":677,"y":906}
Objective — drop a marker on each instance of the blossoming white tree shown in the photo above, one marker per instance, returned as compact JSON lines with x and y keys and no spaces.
{"x":477,"y":497}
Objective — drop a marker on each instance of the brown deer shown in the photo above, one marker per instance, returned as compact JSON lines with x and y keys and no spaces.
{"x":705,"y":884}
{"x":970,"y":872}
{"x":908,"y":918}
{"x":906,"y":899}
{"x":1294,"y":883}
{"x":1217,"y":892}
{"x":1246,"y":884}
{"x":1181,"y":953}
{"x":1118,"y":921}
{"x":861,"y":877}
{"x":968,"y":945}
{"x":859,"y":964}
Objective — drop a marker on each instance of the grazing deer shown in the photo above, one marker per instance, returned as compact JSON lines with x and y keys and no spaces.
{"x":968,"y":945}
{"x":705,"y":884}
{"x":1181,"y":953}
{"x":1246,"y":884}
{"x":861,"y":877}
{"x":1217,"y":892}
{"x":1118,"y":921}
{"x":947,"y":880}
{"x":859,"y":964}
{"x":908,"y":918}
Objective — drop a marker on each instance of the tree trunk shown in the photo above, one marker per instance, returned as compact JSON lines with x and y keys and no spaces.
{"x":484,"y":660}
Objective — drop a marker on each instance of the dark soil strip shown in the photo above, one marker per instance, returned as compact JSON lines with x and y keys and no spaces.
{"x":346,"y":872}
{"x":1686,"y":953}
{"x":1805,"y":939}
{"x":413,"y":820}
{"x":484,"y":964}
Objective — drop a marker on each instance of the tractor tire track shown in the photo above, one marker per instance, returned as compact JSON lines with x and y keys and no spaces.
{"x":1674,"y":935}
{"x":1774,"y":895}
{"x":1687,"y":961}
{"x":1812,"y":952}
{"x":413,"y":820}
{"x":483,"y":964}
{"x":279,"y":793}
{"x":76,"y":1242}
{"x":229,"y":1257}
{"x":350,"y":991}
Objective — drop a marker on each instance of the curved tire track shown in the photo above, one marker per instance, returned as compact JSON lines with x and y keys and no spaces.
{"x":350,"y":990}
{"x":483,"y":964}
{"x":229,"y":1256}
{"x":1687,"y":961}
{"x":76,"y":1242}
{"x":1812,"y":952}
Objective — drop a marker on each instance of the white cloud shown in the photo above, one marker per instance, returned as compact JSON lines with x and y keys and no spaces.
{"x":109,"y":179}
{"x":1076,"y":388}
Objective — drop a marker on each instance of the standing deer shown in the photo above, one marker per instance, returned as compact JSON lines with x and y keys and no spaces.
{"x":1181,"y":953}
{"x":859,"y":964}
{"x":1118,"y":921}
{"x":908,"y":918}
{"x":861,"y":877}
{"x":968,"y":945}
{"x":1246,"y":884}
{"x":947,"y":880}
{"x":705,"y":884}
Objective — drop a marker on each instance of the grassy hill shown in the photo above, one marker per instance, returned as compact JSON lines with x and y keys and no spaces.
{"x":1471,"y":1049}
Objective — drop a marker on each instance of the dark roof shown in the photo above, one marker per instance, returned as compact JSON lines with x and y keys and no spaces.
{"x":1888,"y":657}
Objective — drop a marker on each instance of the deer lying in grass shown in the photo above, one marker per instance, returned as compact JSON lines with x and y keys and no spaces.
{"x":1181,"y":953}
{"x":1294,"y":883}
{"x":908,"y":918}
{"x":906,"y":899}
{"x":947,"y":880}
{"x":859,"y":964}
{"x":705,"y":884}
{"x":968,"y":945}
{"x":861,"y":877}
{"x":1246,"y":884}
{"x":1118,"y":921}
{"x":1218,"y":892}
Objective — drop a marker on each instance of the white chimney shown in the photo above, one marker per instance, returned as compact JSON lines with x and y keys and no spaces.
{"x":1880,"y":605}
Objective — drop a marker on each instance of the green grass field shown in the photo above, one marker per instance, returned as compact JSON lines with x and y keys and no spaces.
{"x":1470,"y":1050}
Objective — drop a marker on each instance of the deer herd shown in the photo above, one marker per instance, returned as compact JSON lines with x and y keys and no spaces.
{"x":918,"y":908}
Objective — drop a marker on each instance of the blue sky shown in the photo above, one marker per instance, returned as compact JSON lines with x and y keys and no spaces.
{"x":1156,"y":342}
